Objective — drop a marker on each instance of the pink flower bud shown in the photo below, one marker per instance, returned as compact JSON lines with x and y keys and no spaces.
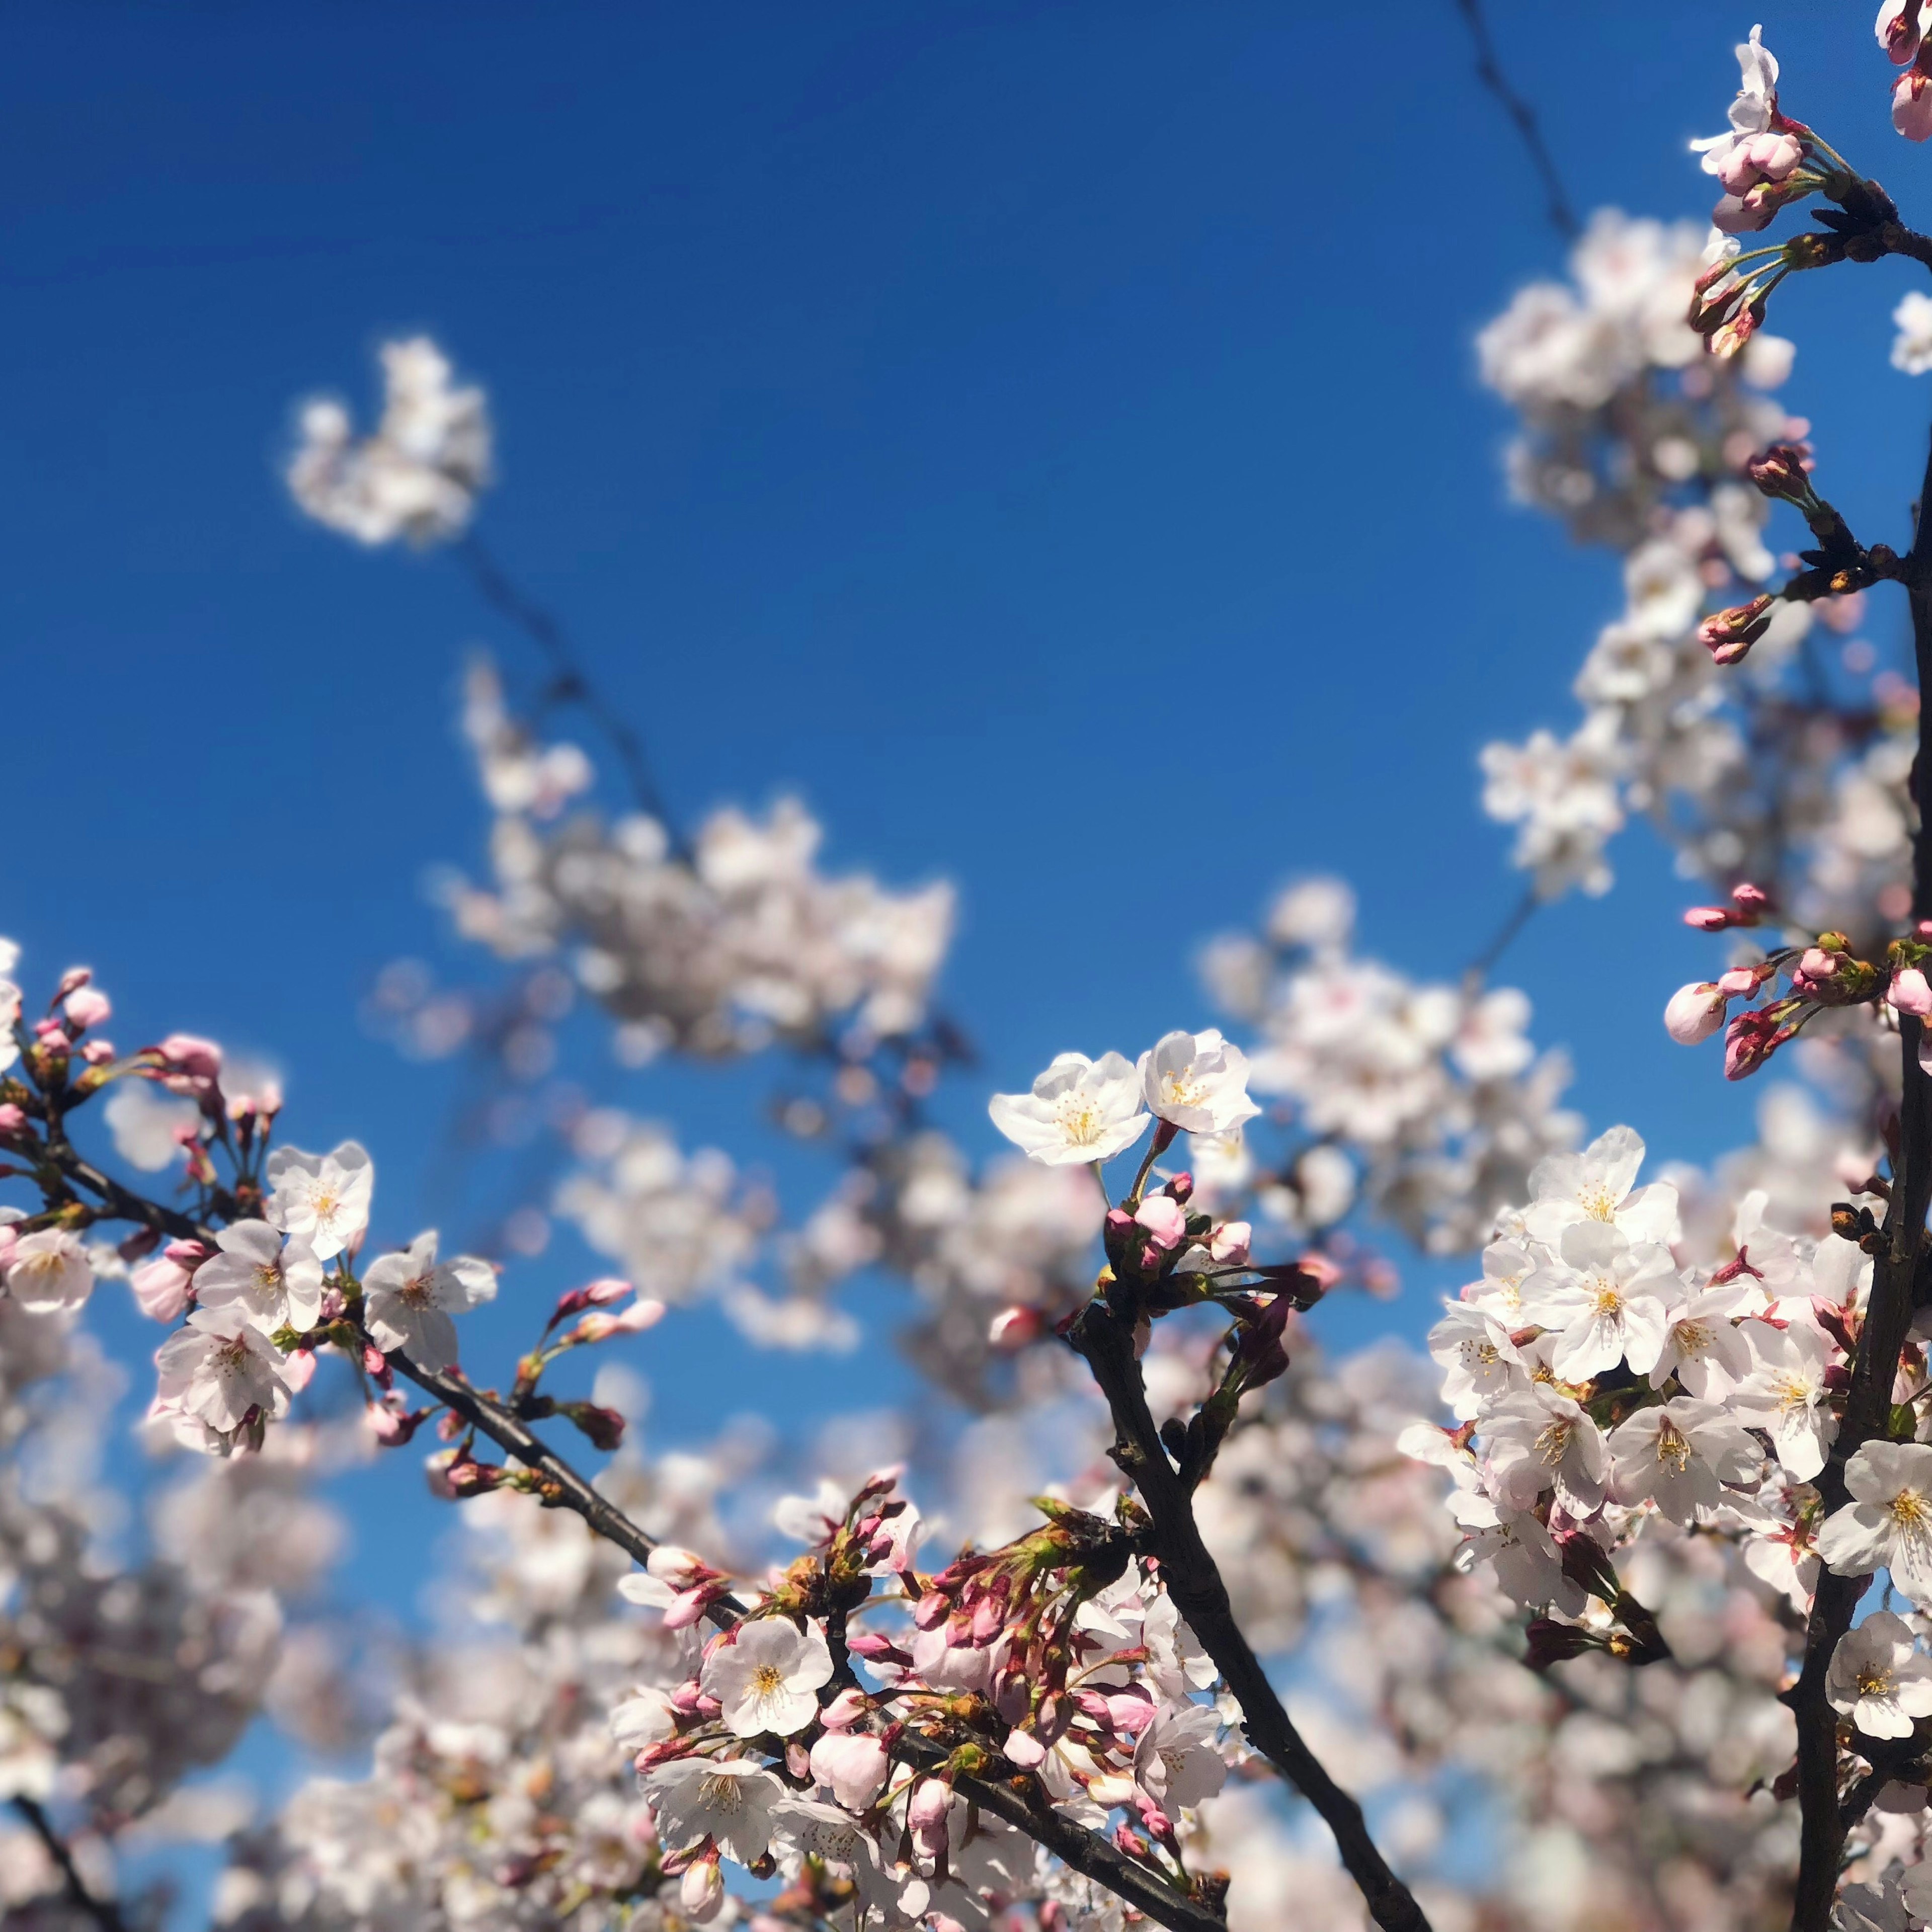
{"x":1909,"y":991}
{"x":931,"y":1799}
{"x":13,"y":1119}
{"x":932,"y":1609}
{"x":98,"y":1052}
{"x":1740,"y":982}
{"x":160,"y":1289}
{"x":854,"y":1764}
{"x":1898,"y":30}
{"x":87,"y":1006}
{"x":374,"y":1362}
{"x":678,"y":1567}
{"x":299,"y":1368}
{"x":1708,"y":919}
{"x":1729,"y":634}
{"x":71,"y":981}
{"x":50,"y":1035}
{"x":1695,"y":1012}
{"x":844,"y":1710}
{"x":1228,"y":1243}
{"x":1165,"y":1220}
{"x":1752,"y":1039}
{"x":701,"y":1892}
{"x":1751,"y":901}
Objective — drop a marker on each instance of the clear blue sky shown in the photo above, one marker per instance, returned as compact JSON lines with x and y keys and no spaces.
{"x":1047,"y":438}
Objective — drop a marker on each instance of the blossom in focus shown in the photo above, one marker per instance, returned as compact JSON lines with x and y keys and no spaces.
{"x":1597,"y":1185}
{"x":220,"y":1370}
{"x":1695,"y":1012}
{"x":728,"y":1800}
{"x":1605,"y":1298}
{"x":1753,"y":112}
{"x":1175,"y":1760}
{"x":1681,"y":1455}
{"x":271,"y":1285}
{"x":767,"y":1674}
{"x":1785,"y":1394}
{"x":1702,"y":1346}
{"x":409,"y":1297}
{"x":852,"y":1766}
{"x":1878,"y":1679}
{"x":1079,"y":1110}
{"x":49,"y":1271}
{"x":1198,"y":1082}
{"x":1539,"y":1440}
{"x":324,"y":1196}
{"x":1888,"y":1524}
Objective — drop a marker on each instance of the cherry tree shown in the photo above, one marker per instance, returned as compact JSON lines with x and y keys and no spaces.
{"x":1140,"y":1632}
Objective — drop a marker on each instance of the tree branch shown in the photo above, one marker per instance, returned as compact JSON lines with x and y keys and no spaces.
{"x":105,"y":1912}
{"x":1887,"y":1315}
{"x":1523,"y":117}
{"x":1105,"y":1336}
{"x":572,"y":683}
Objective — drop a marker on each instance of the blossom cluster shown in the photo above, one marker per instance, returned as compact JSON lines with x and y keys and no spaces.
{"x":417,"y":475}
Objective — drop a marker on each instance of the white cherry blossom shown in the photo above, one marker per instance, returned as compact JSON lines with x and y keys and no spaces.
{"x":1538,"y":1440}
{"x":220,"y":1370}
{"x":1877,"y":1677}
{"x":728,"y":1800}
{"x":1478,"y":1360}
{"x":48,"y":1271}
{"x":1701,"y":1345}
{"x":1197,"y":1081}
{"x":1604,"y":1299}
{"x":1888,"y":1524}
{"x":409,"y":1298}
{"x":323,"y":1196}
{"x":767,"y":1674}
{"x":1079,"y":1110}
{"x":269,"y":1282}
{"x":1176,"y":1761}
{"x":1682,"y":1455}
{"x":1596,"y":1185}
{"x":1785,"y":1392}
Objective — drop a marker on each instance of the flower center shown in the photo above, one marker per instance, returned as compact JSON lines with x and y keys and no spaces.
{"x":1598,"y":1202}
{"x":721,"y":1794}
{"x":1874,"y":1681}
{"x":1553,"y":1444}
{"x":1909,"y":1512}
{"x":767,"y":1680}
{"x":1607,"y":1298}
{"x":416,"y":1291}
{"x":1673,"y":1447}
{"x":1694,"y":1338}
{"x":1080,"y":1122}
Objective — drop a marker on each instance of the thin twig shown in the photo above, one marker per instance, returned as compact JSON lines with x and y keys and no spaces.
{"x":105,"y":1912}
{"x":572,"y":682}
{"x":1523,"y":116}
{"x":1480,"y":968}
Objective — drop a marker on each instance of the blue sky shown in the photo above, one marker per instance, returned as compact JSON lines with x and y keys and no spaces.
{"x":1045,"y":439}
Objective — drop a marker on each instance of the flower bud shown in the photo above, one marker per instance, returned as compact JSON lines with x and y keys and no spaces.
{"x":1780,"y":472}
{"x":1909,"y":991}
{"x":1228,"y":1245}
{"x":1013,"y":1328}
{"x":87,"y":1006}
{"x":1708,"y":919}
{"x":1695,"y":1012}
{"x":1752,"y":902}
{"x":1729,"y":634}
{"x":701,"y":1890}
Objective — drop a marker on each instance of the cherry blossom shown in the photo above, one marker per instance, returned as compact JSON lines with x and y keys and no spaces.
{"x":1878,"y":1678}
{"x":729,"y":1801}
{"x":48,"y":1271}
{"x":1679,"y":1455}
{"x":324,"y":1198}
{"x":765,"y":1675}
{"x":1888,"y":1524}
{"x":409,"y":1297}
{"x":1198,"y":1082}
{"x":1079,"y":1110}
{"x":269,"y":1282}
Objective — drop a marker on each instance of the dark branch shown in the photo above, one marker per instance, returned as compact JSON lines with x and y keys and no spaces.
{"x":1523,"y":117}
{"x":1889,"y":1315}
{"x":105,"y":1912}
{"x":1105,"y":1337}
{"x":572,"y":683}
